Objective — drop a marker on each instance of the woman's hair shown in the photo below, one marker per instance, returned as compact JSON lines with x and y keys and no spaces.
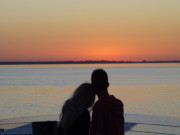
{"x":82,"y":99}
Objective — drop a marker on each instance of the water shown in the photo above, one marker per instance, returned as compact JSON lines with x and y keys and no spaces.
{"x":30,"y":90}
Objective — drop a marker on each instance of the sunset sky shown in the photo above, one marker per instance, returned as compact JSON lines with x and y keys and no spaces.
{"x":60,"y":30}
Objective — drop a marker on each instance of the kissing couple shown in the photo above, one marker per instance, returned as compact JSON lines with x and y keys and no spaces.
{"x":107,"y":115}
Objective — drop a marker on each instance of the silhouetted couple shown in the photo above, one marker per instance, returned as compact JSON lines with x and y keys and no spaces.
{"x":108,"y":113}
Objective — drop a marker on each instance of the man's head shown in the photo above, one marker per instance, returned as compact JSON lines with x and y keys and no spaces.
{"x":99,"y":79}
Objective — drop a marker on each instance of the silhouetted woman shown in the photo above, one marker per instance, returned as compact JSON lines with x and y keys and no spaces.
{"x":75,"y":117}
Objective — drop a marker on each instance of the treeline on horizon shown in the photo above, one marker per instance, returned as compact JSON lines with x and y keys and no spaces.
{"x":84,"y":62}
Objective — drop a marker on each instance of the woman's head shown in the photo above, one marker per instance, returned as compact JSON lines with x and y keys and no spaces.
{"x":82,"y":99}
{"x":84,"y":95}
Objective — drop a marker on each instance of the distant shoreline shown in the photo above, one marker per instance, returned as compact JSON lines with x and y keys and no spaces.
{"x":84,"y":62}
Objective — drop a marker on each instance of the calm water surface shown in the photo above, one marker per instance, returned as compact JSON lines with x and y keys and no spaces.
{"x":30,"y":90}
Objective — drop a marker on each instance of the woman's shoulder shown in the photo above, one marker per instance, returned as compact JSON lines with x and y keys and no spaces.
{"x":83,"y":118}
{"x":85,"y":113}
{"x":81,"y":124}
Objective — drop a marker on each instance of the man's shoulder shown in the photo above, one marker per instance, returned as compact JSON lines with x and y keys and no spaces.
{"x":118,"y":101}
{"x":98,"y":104}
{"x":111,"y":100}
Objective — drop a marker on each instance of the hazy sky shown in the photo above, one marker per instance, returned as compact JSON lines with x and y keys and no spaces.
{"x":43,"y":30}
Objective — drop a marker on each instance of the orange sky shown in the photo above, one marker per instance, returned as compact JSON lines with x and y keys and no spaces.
{"x":89,"y":30}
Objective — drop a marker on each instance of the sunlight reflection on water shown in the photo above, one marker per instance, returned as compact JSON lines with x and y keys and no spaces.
{"x":18,"y":101}
{"x":152,"y":100}
{"x":30,"y":90}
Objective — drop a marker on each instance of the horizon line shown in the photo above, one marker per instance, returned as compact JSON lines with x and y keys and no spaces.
{"x":86,"y":62}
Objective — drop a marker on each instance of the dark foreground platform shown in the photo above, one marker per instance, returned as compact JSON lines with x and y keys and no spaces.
{"x":134,"y":125}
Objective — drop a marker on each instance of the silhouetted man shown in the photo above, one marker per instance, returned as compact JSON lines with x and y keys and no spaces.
{"x":108,"y":112}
